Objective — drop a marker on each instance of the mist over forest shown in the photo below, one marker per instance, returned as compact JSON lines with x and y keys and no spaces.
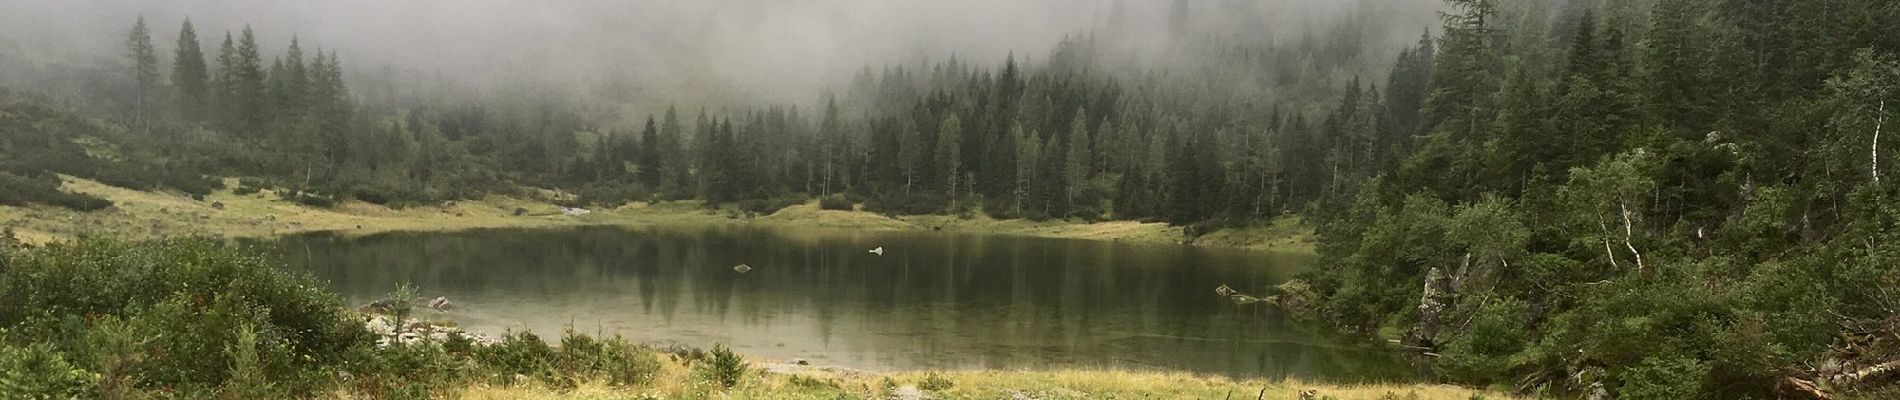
{"x":697,"y":53}
{"x":1637,"y":199}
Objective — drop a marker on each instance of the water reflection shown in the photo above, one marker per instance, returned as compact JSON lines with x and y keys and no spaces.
{"x":931,"y":301}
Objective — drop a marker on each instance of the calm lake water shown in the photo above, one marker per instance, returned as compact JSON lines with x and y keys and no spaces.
{"x":933,"y":300}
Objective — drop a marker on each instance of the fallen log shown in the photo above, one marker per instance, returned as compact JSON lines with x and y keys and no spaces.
{"x":1864,"y":375}
{"x":1797,"y":388}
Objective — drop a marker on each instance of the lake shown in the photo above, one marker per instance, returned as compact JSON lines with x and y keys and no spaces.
{"x":933,"y":300}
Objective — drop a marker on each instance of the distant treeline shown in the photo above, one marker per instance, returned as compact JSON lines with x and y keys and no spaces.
{"x":1063,"y":138}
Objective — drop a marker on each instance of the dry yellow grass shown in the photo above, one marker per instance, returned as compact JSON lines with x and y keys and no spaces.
{"x":675,"y":381}
{"x":145,"y":215}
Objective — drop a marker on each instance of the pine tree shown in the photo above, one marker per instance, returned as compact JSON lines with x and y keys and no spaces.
{"x":674,"y":159}
{"x":950,"y":154}
{"x":1028,"y":148}
{"x":290,"y":84}
{"x":327,"y":103}
{"x":189,"y":75}
{"x":138,"y":45}
{"x":651,"y":170}
{"x":241,"y":73}
{"x":225,"y":86}
{"x":1078,"y":162}
{"x":830,"y":142}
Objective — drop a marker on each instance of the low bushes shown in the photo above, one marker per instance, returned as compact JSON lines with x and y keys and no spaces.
{"x":769,"y":205}
{"x":906,"y":204}
{"x":724,"y":368}
{"x":174,"y":315}
{"x":17,"y":190}
{"x":200,"y":319}
{"x":836,"y":203}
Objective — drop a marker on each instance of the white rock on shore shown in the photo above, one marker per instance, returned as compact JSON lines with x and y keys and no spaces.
{"x":412,"y":331}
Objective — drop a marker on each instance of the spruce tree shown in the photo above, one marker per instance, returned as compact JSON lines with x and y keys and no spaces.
{"x":189,"y":75}
{"x":241,"y":72}
{"x":225,"y":86}
{"x":1078,"y":162}
{"x":144,"y":60}
{"x":950,"y":154}
{"x":651,"y":171}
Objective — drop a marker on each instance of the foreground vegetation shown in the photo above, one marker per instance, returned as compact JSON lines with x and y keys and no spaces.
{"x":198,"y":319}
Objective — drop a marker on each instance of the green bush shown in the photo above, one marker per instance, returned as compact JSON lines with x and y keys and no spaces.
{"x":17,"y":190}
{"x":37,"y":371}
{"x":314,"y":200}
{"x":609,"y":195}
{"x":1663,"y":379}
{"x":184,"y":305}
{"x":724,"y":368}
{"x":934,"y":382}
{"x":836,"y":203}
{"x":620,"y":362}
{"x":768,"y":206}
{"x":916,"y":203}
{"x":518,"y":353}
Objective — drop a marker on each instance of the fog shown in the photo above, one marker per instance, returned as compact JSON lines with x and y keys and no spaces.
{"x":679,"y":50}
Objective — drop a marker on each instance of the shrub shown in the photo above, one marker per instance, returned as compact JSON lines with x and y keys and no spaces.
{"x":768,"y":206}
{"x":609,"y":195}
{"x":37,"y":371}
{"x":18,"y":190}
{"x":314,"y":200}
{"x":621,"y":363}
{"x":1485,"y":350}
{"x":725,"y":368}
{"x":934,"y":382}
{"x":247,"y":186}
{"x":402,"y":302}
{"x":518,"y":353}
{"x":1663,"y":378}
{"x":247,"y":377}
{"x":183,"y":304}
{"x":902,"y":204}
{"x":836,"y":203}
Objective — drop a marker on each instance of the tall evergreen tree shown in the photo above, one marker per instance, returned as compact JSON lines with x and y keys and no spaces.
{"x":950,"y":154}
{"x":144,"y":60}
{"x":1078,"y":162}
{"x":241,"y":72}
{"x":190,"y":76}
{"x":651,"y":171}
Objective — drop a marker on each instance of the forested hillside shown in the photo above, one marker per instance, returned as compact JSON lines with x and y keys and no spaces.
{"x":1220,"y":132}
{"x":1667,"y":199}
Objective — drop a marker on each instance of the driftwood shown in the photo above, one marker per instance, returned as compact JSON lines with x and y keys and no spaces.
{"x":1797,"y":388}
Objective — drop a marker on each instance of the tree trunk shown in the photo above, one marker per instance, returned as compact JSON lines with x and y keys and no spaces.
{"x":1629,"y":235}
{"x":1880,"y":117}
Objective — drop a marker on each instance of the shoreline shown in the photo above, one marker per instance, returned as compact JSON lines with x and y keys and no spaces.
{"x":139,"y":215}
